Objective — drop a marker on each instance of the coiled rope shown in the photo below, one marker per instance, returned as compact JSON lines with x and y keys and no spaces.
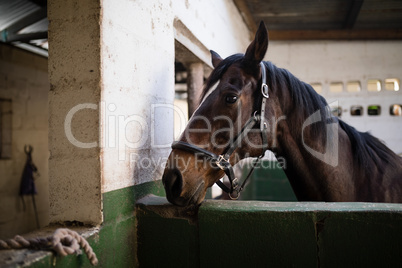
{"x":63,"y":241}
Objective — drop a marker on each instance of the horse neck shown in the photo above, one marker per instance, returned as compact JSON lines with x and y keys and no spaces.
{"x":297,"y":168}
{"x":302,"y":168}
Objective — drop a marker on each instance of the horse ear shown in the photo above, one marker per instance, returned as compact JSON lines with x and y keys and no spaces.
{"x":256,"y":50}
{"x":216,"y":59}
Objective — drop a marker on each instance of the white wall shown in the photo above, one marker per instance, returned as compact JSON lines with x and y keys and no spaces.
{"x":23,"y":79}
{"x":337,"y":60}
{"x":138,"y":77}
{"x":217,"y":24}
{"x":343,"y":61}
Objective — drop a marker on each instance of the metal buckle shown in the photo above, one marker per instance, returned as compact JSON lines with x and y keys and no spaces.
{"x":264,"y":90}
{"x":220,"y":160}
{"x":236,"y":189}
{"x":235,"y":183}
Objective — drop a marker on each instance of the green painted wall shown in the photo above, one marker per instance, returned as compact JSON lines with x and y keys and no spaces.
{"x":270,"y":234}
{"x":153,"y":233}
{"x":115,"y":244}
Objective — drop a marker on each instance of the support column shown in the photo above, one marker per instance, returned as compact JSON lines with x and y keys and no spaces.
{"x":111,"y":101}
{"x":195,"y":81}
{"x":74,"y":111}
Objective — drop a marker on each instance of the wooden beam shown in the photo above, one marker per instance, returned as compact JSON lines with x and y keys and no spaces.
{"x":353,"y":14}
{"x":195,"y":80}
{"x":247,"y":17}
{"x":295,"y":35}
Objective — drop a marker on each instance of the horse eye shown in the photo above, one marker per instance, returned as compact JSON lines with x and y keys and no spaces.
{"x":231,"y":99}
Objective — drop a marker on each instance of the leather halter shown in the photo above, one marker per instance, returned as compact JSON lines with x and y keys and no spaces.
{"x":222,"y":161}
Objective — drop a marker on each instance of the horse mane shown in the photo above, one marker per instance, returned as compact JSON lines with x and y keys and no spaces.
{"x":305,"y":100}
{"x":367,"y":149}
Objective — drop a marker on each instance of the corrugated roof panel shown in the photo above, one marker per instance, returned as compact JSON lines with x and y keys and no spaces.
{"x":40,"y":26}
{"x":13,"y":11}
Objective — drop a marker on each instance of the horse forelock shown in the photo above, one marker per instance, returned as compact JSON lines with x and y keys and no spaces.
{"x":217,"y":74}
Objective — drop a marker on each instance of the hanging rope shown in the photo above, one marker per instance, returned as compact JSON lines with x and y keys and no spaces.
{"x":63,"y":241}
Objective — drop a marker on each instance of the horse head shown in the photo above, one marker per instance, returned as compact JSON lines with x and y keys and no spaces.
{"x":232,"y":95}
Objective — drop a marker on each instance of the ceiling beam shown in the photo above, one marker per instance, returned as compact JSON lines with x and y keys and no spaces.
{"x":353,"y":13}
{"x":12,"y":37}
{"x":294,"y":35}
{"x":247,"y":17}
{"x":41,"y":3}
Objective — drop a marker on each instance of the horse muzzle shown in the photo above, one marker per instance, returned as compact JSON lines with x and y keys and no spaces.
{"x":173,"y":182}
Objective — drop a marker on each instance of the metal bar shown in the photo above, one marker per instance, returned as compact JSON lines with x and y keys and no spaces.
{"x":13,"y":37}
{"x":1,"y":128}
{"x":35,"y":210}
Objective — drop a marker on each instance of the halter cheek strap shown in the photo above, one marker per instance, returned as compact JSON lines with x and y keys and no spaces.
{"x":265,"y":96}
{"x":222,"y":161}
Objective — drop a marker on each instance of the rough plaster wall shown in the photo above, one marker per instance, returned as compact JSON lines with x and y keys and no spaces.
{"x":138,"y":78}
{"x":23,"y":79}
{"x":330,"y":61}
{"x":74,"y":74}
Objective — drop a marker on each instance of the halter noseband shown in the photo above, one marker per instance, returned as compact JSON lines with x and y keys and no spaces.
{"x":222,"y":161}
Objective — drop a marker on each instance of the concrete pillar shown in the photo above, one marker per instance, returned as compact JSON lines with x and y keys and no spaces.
{"x":75,"y":92}
{"x":110,"y":102}
{"x":195,"y":81}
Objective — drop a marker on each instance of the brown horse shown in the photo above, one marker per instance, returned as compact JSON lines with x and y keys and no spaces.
{"x":249,"y":106}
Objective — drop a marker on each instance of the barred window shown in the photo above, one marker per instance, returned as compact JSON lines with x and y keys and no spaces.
{"x":374,"y":85}
{"x":395,"y":110}
{"x":353,"y":86}
{"x":392,"y":84}
{"x":336,"y":87}
{"x":374,"y":110}
{"x":317,"y":87}
{"x":356,"y":110}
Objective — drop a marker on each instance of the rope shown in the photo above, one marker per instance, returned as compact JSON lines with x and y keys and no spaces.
{"x":63,"y":241}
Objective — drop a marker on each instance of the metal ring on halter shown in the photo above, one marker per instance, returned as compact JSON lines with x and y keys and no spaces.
{"x":237,"y":195}
{"x":264,"y":90}
{"x":255,"y":116}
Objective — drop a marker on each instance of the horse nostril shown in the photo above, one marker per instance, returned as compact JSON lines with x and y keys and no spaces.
{"x":177,"y":183}
{"x":173,"y":182}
